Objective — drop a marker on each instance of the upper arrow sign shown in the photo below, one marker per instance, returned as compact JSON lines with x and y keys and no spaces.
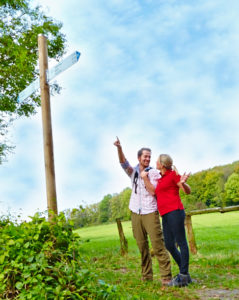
{"x":52,"y":73}
{"x":63,"y":65}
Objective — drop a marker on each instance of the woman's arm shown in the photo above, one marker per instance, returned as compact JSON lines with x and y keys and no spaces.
{"x":183,"y":185}
{"x":149,"y":186}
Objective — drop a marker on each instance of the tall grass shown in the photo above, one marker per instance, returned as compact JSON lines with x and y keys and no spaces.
{"x":216,"y":264}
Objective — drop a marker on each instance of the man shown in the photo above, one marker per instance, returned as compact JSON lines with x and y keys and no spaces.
{"x":145,"y":216}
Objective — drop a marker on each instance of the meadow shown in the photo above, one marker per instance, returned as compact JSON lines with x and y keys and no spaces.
{"x":214,"y":269}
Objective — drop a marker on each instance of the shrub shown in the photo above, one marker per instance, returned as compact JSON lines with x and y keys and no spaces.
{"x":42,"y":260}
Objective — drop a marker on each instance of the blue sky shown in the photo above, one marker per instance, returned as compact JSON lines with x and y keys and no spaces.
{"x":163,"y":74}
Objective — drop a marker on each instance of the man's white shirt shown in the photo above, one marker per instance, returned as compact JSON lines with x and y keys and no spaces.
{"x":141,"y":201}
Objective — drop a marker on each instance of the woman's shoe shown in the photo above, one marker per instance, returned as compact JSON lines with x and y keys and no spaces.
{"x":180,"y":280}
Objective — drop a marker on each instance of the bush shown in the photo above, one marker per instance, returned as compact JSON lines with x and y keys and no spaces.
{"x":42,"y":260}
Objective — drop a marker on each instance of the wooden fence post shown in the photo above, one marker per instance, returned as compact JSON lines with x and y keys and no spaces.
{"x":123,"y":241}
{"x":190,"y":234}
{"x":188,"y":222}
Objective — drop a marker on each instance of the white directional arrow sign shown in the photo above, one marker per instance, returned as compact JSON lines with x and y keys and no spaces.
{"x":63,"y":65}
{"x":52,"y":73}
{"x":34,"y":86}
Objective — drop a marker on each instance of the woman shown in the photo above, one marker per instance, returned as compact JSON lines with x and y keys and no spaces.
{"x":172,"y":211}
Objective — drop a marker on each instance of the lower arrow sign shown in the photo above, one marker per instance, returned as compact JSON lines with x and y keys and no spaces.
{"x":33,"y":87}
{"x":52,"y":73}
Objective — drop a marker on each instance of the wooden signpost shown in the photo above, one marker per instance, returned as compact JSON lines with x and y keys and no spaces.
{"x":43,"y":83}
{"x":47,"y":128}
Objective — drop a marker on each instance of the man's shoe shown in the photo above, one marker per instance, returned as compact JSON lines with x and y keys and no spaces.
{"x":165,"y":281}
{"x":147,"y":278}
{"x":180,"y":280}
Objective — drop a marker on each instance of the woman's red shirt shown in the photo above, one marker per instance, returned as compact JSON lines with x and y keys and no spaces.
{"x":167,"y":193}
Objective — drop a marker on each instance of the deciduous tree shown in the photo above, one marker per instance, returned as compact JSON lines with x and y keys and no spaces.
{"x":20,"y":25}
{"x":232,"y":189}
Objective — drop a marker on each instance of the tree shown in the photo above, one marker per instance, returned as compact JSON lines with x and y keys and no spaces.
{"x":5,"y":148}
{"x":79,"y":217}
{"x":236,"y":167}
{"x":104,"y":209}
{"x":20,"y":25}
{"x":195,"y":199}
{"x":119,"y":205}
{"x":115,"y":211}
{"x":207,"y":189}
{"x":213,"y":193}
{"x":232,"y":189}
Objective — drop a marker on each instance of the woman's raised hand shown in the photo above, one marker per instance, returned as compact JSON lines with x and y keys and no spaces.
{"x":184,"y":177}
{"x":144,"y":174}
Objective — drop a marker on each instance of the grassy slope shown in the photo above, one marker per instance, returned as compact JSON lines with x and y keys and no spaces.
{"x":214,"y":267}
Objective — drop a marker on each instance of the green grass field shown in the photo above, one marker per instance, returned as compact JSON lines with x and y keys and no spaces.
{"x":215,"y":268}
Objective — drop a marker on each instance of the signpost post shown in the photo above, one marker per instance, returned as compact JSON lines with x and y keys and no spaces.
{"x":43,"y":83}
{"x":47,"y":128}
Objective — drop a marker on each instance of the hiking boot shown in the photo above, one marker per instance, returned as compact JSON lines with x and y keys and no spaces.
{"x":147,"y":278}
{"x":165,"y":281}
{"x":180,"y":280}
{"x":189,"y":279}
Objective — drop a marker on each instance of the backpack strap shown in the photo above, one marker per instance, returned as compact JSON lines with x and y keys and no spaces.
{"x":135,"y":181}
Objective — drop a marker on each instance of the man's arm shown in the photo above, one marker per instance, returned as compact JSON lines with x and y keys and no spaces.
{"x":123,"y":161}
{"x":122,"y":158}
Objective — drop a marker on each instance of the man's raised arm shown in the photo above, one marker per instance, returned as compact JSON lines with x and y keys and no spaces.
{"x":123,"y":161}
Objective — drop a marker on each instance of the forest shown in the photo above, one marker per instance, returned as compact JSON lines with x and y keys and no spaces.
{"x":215,"y":187}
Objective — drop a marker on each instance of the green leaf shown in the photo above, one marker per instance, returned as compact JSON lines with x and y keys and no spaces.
{"x":30,"y":259}
{"x":10,"y":242}
{"x":1,"y":277}
{"x":48,"y":278}
{"x":2,"y":257}
{"x":36,"y":237}
{"x":26,"y":245}
{"x":19,"y":285}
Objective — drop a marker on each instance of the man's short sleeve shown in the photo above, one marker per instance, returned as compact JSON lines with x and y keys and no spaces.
{"x":127,"y":168}
{"x":154,"y":176}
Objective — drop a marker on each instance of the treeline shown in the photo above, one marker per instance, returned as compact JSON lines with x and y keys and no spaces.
{"x":107,"y":210}
{"x":214,"y":187}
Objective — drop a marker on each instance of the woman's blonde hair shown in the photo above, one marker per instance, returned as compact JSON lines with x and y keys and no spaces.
{"x":167,"y":161}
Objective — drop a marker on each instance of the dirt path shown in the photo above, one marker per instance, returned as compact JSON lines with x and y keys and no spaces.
{"x":218,"y":294}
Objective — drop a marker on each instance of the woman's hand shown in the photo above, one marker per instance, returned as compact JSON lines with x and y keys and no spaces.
{"x":144,"y":174}
{"x":183,"y":185}
{"x":148,"y":185}
{"x":184,"y":177}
